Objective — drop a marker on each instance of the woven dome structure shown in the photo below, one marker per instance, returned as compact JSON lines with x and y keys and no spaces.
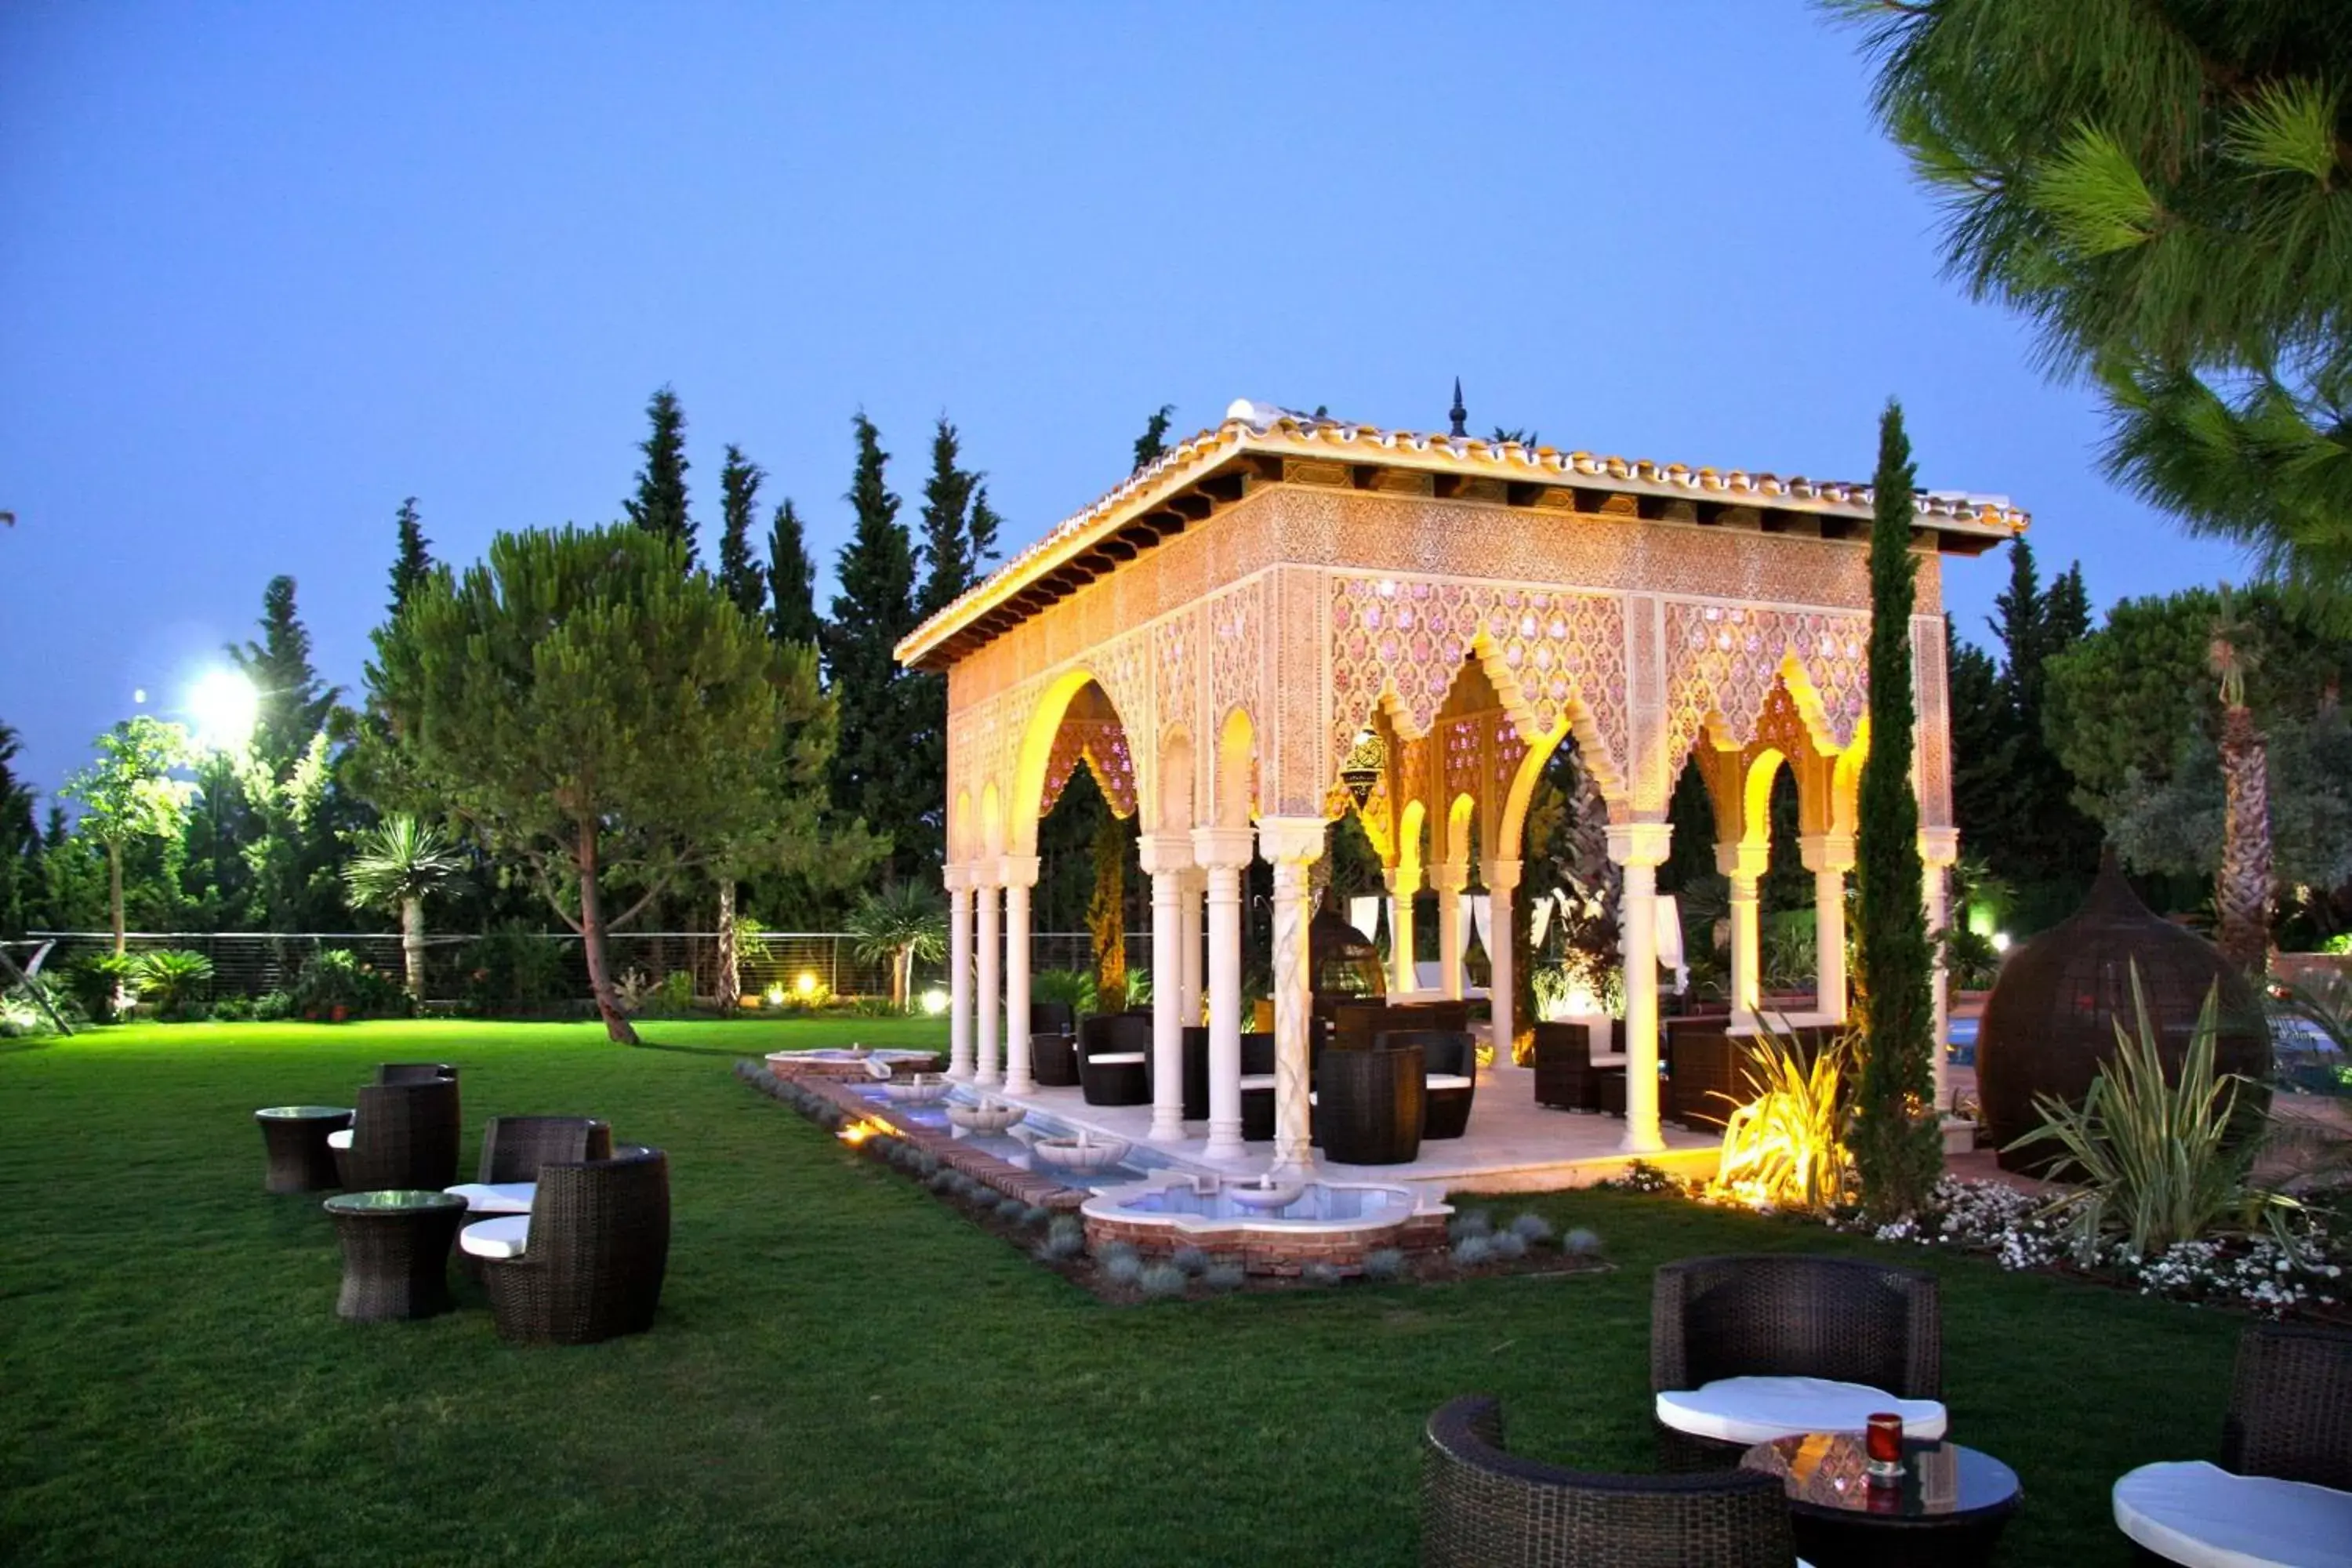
{"x":2050,"y":1019}
{"x":1342,"y":961}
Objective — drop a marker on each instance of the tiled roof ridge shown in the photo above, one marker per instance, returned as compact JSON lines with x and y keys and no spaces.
{"x":1255,"y":423}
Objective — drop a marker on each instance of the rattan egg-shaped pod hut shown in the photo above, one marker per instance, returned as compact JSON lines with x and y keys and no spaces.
{"x":2050,"y":1019}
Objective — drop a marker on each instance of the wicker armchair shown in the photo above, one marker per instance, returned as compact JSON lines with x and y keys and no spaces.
{"x":414,"y":1072}
{"x":2290,"y":1419}
{"x":1370,"y":1106}
{"x":1482,"y":1507}
{"x":1838,"y":1318}
{"x":1355,"y":1024}
{"x":404,"y":1136}
{"x":1053,"y":1046}
{"x":1115,"y":1058}
{"x":515,"y":1147}
{"x":598,"y":1249}
{"x":1450,"y":1080}
{"x":1565,"y":1079}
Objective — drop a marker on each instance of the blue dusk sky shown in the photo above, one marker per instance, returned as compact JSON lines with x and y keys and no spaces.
{"x":264,"y":269}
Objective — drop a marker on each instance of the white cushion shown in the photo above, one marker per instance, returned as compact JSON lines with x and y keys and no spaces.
{"x":1759,"y":1410}
{"x":497,"y":1238}
{"x":340,"y":1138}
{"x":2201,"y":1515}
{"x":1449,"y":1080}
{"x":1257,"y":1080}
{"x":496,"y":1197}
{"x":1116,"y":1059}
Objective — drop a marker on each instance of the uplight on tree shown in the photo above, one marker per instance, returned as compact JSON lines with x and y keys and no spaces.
{"x":225,"y":705}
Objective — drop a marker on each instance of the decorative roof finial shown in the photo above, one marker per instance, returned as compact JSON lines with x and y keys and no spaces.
{"x":1457,"y":412}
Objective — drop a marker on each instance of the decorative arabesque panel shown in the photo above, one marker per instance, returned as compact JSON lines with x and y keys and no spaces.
{"x":1725,"y":660}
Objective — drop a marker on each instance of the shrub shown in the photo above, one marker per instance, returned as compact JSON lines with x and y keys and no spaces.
{"x":1471,"y":1251}
{"x":516,"y":968}
{"x":93,"y":982}
{"x":1580,"y":1243}
{"x":1225,"y":1276}
{"x":1069,"y":1227}
{"x":335,"y":977}
{"x":1509,"y":1244}
{"x":233,"y":1009}
{"x":1385,"y":1264}
{"x":1065,"y":985}
{"x":1787,"y":1145}
{"x":1122,"y":1268}
{"x":1191,"y":1259}
{"x":1321,"y":1275}
{"x":1531,"y":1228}
{"x":1032,"y":1215}
{"x":1162,"y":1281}
{"x":1472,"y":1222}
{"x":272,"y":1005}
{"x":171,"y":979}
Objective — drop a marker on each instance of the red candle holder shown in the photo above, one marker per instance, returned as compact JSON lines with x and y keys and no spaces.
{"x":1882,"y":1447}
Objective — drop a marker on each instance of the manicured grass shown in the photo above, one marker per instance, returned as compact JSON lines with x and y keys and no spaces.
{"x":843,"y":1370}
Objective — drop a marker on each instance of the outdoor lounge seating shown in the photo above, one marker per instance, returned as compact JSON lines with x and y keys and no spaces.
{"x":1747,"y":1349}
{"x":513,"y":1150}
{"x":2282,"y":1492}
{"x":1483,"y":1507}
{"x":403,"y":1137}
{"x":1371,"y":1105}
{"x":594,"y":1252}
{"x":1355,"y":1024}
{"x":1566,"y":1075}
{"x":1450,"y":1079}
{"x":1053,"y":1044}
{"x":1115,"y":1058}
{"x":414,"y":1072}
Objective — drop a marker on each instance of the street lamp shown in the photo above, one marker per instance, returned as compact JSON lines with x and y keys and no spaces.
{"x":225,"y":705}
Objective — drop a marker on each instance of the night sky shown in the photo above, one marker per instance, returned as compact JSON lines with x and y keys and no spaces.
{"x":266,"y":269}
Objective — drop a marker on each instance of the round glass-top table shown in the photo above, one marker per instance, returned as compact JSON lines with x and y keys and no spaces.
{"x":294,"y":1137}
{"x":396,"y":1252}
{"x":1948,"y":1508}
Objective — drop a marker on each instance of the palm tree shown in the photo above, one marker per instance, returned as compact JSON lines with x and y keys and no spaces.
{"x":897,"y":924}
{"x":397,"y":865}
{"x":2242,"y":887}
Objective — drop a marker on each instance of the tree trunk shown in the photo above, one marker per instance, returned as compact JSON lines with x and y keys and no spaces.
{"x":2242,"y":887}
{"x":411,"y":945}
{"x":902,"y":978}
{"x":730,"y":964}
{"x":114,"y":893}
{"x":592,"y":940}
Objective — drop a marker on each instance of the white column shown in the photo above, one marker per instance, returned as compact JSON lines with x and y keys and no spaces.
{"x":1020,"y":875}
{"x":988,"y":1001}
{"x":1293,"y":844}
{"x":1224,"y":851}
{"x":1744,"y":864}
{"x":1502,"y":878}
{"x":1829,"y":856}
{"x":1938,"y":847}
{"x":1641,"y":847}
{"x":959,"y":881}
{"x":1190,"y":914}
{"x":1404,"y":883}
{"x":1449,"y":880}
{"x":1165,"y":857}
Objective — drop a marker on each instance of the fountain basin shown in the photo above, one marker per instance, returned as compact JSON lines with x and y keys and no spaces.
{"x":991,"y":1117}
{"x":1263,"y":1195}
{"x":921,"y":1089}
{"x":843,"y":1062}
{"x":1335,"y":1223}
{"x":1084,"y":1153}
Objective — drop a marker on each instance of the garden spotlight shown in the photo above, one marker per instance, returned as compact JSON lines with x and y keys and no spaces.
{"x":225,"y":705}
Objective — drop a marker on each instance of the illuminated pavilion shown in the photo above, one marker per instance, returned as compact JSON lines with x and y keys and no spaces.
{"x":1218,"y":634}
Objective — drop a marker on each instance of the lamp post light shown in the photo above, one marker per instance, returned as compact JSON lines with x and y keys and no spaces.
{"x":225,"y":705}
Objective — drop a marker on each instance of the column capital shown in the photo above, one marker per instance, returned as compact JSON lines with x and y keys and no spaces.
{"x":1449,"y":877}
{"x":1291,"y":840}
{"x":1016,"y":870}
{"x":1401,"y":881}
{"x":1164,"y":854}
{"x":957,"y":879}
{"x":1743,"y":861}
{"x":1500,"y":876}
{"x":1940,"y":846}
{"x":1639,"y":843}
{"x":1827,"y":851}
{"x":1223,"y":848}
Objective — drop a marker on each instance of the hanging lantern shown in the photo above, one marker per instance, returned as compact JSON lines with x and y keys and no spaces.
{"x":1362,"y":770}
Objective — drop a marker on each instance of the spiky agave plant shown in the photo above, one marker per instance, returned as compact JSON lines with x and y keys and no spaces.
{"x":397,"y":865}
{"x":1786,"y":1144}
{"x":2154,"y":1160}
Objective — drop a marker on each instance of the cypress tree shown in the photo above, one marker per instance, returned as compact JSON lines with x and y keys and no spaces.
{"x":1153,"y":444}
{"x":20,"y":843}
{"x":981,"y":531}
{"x":293,"y":704}
{"x":659,"y":505}
{"x":415,"y":562}
{"x":738,"y":573}
{"x":792,"y":581}
{"x":874,"y":609}
{"x":948,"y":564}
{"x":1897,"y":1140}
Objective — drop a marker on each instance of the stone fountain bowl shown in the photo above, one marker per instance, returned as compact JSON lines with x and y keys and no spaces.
{"x":1249,"y":1194}
{"x":922,"y":1089}
{"x":991,"y":1118}
{"x":1085,"y":1155}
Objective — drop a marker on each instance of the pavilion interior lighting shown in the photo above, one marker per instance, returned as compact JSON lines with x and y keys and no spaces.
{"x":1361,"y":769}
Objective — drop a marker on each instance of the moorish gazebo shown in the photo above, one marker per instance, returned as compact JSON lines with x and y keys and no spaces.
{"x":1284,"y":595}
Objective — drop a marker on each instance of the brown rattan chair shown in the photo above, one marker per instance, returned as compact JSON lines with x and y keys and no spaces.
{"x":598,"y":1249}
{"x":515,"y":1147}
{"x":1483,"y":1507}
{"x":1115,"y":1058}
{"x":1703,"y":1067}
{"x":403,"y":1136}
{"x":1791,"y":1315}
{"x":414,"y":1072}
{"x":1372,"y":1105}
{"x":2290,"y":1419}
{"x":1450,"y":1077}
{"x":1565,"y":1079}
{"x":1053,"y":1045}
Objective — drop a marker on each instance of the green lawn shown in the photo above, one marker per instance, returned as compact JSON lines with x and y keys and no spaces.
{"x":843,"y":1370}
